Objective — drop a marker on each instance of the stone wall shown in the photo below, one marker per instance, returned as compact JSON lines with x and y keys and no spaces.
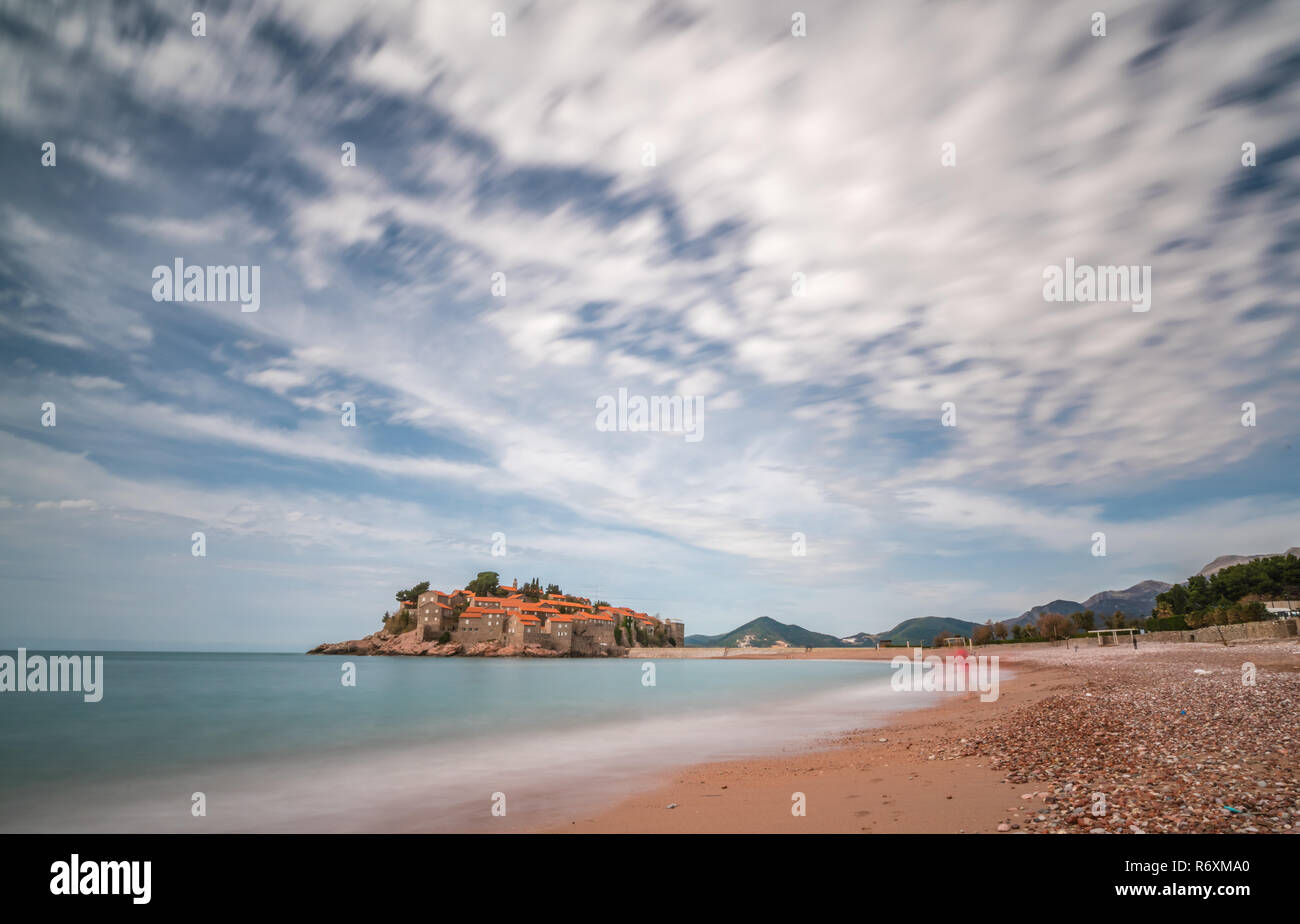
{"x":1245,"y":631}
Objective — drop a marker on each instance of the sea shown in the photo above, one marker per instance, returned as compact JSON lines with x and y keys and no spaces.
{"x":226,"y":742}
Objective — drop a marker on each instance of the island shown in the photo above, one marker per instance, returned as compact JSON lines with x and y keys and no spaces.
{"x":488,"y":619}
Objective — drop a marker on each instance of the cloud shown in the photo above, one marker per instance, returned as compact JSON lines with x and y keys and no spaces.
{"x":797,"y":253}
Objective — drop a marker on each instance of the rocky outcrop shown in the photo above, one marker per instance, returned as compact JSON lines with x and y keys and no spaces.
{"x":522,"y":651}
{"x":408,"y":644}
{"x":382,"y":643}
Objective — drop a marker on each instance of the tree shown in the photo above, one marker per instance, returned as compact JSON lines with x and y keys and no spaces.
{"x":1054,"y":626}
{"x":1176,"y":599}
{"x":983,"y":635}
{"x":1000,"y":630}
{"x":553,"y":589}
{"x":941,"y":638}
{"x":1084,"y":620}
{"x":1272,"y":578}
{"x":485,"y":585}
{"x":413,"y":594}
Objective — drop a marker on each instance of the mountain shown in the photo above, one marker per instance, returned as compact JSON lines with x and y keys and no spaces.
{"x":860,"y":640}
{"x":765,"y":632}
{"x":923,"y":629}
{"x":1227,"y":561}
{"x":1029,"y":616}
{"x":1138,"y":600}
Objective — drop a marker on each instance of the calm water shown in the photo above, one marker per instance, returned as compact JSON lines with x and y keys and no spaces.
{"x":277,"y":743}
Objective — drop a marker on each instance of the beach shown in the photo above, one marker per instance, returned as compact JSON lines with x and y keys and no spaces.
{"x":1169,"y":734}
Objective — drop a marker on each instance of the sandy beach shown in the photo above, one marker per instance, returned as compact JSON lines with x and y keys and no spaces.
{"x":1169,"y":735}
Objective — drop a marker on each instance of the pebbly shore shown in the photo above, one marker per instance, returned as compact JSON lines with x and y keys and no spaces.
{"x":1190,"y":739}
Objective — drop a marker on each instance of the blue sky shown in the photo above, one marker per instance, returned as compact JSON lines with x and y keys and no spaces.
{"x":523,"y":154}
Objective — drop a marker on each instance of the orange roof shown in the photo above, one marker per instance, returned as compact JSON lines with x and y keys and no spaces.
{"x":600,"y":616}
{"x":527,"y":618}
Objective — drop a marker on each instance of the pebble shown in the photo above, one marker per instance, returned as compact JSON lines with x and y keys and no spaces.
{"x":1166,"y":756}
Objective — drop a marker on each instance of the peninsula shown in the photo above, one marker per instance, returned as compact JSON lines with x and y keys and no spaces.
{"x":488,"y":619}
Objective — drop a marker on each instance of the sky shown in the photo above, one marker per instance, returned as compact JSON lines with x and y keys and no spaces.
{"x":825,"y":221}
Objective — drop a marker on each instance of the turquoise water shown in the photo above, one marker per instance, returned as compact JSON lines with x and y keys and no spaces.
{"x":277,"y":743}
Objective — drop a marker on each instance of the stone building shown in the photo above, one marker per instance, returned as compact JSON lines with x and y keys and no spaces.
{"x":568,"y":625}
{"x":480,"y":624}
{"x":434,"y":615}
{"x":593,"y":634}
{"x":557,"y":634}
{"x":523,"y":629}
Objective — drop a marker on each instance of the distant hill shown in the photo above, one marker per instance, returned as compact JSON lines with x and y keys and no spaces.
{"x":765,"y":632}
{"x":1138,"y":600}
{"x":1065,"y":607}
{"x":1227,"y":561}
{"x":925,"y":628}
{"x":860,"y":640}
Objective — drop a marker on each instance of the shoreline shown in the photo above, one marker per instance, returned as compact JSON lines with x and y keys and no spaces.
{"x":853,"y":782}
{"x":1029,"y":762}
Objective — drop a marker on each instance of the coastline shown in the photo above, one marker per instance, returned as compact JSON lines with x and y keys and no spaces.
{"x":1069,"y":723}
{"x":854,"y":783}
